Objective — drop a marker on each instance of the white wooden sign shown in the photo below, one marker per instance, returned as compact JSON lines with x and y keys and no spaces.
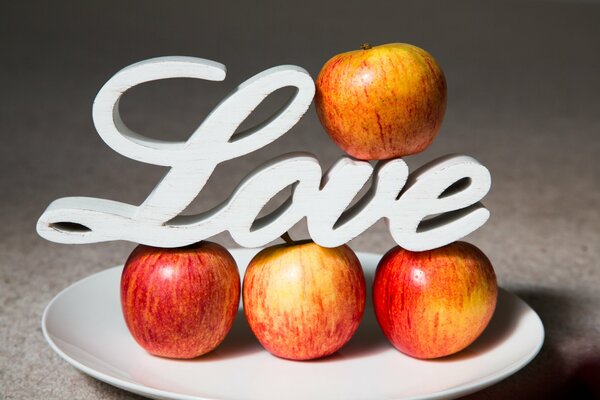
{"x":448,"y":189}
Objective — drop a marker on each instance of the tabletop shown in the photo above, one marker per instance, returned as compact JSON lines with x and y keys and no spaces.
{"x":523,"y":99}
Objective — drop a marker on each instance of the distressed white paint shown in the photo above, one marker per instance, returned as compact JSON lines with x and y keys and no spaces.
{"x":403,"y":200}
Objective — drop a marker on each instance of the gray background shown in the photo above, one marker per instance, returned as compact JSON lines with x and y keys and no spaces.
{"x":523,"y":99}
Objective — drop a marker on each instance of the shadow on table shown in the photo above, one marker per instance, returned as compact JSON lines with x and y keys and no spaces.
{"x":547,"y":377}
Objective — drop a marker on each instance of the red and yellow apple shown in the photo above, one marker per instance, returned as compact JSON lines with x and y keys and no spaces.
{"x":434,"y":303}
{"x":381,"y":102}
{"x":303,"y":301}
{"x":180,"y":302}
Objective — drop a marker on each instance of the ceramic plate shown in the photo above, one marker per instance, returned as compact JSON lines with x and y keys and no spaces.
{"x":84,"y":325}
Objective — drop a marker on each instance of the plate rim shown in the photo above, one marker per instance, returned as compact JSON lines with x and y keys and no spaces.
{"x":144,"y":390}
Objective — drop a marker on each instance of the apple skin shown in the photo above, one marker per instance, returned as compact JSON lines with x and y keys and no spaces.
{"x":382,"y":102}
{"x":180,"y":302}
{"x":303,"y":301}
{"x":434,"y":303}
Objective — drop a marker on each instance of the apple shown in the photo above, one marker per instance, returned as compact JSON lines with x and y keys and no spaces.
{"x":381,"y":102}
{"x":434,"y":303}
{"x":303,"y":301}
{"x":180,"y":302}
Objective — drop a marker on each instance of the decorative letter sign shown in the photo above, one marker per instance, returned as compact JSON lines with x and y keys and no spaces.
{"x":433,"y":206}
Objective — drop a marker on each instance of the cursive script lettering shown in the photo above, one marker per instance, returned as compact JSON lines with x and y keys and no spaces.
{"x":433,"y":206}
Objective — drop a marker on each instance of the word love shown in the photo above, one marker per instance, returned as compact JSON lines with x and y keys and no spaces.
{"x":433,"y":206}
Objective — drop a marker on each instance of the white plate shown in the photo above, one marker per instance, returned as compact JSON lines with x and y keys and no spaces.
{"x":84,"y":325}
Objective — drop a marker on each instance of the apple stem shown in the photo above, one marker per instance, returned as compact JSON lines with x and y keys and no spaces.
{"x":287,"y":239}
{"x":365,"y":46}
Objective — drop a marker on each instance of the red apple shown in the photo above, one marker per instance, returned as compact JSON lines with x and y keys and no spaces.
{"x":181,"y":302}
{"x":304,"y":301}
{"x":381,"y":102}
{"x":434,"y":303}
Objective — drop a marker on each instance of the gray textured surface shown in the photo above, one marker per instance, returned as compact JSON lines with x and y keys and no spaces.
{"x":523,"y":99}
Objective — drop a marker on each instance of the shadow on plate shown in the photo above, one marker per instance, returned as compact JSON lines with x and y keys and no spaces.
{"x":368,"y":339}
{"x":240,"y":341}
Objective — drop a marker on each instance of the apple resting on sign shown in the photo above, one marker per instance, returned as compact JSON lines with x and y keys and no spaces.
{"x":381,"y":102}
{"x":180,"y":302}
{"x":304,"y":301}
{"x":434,"y":303}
